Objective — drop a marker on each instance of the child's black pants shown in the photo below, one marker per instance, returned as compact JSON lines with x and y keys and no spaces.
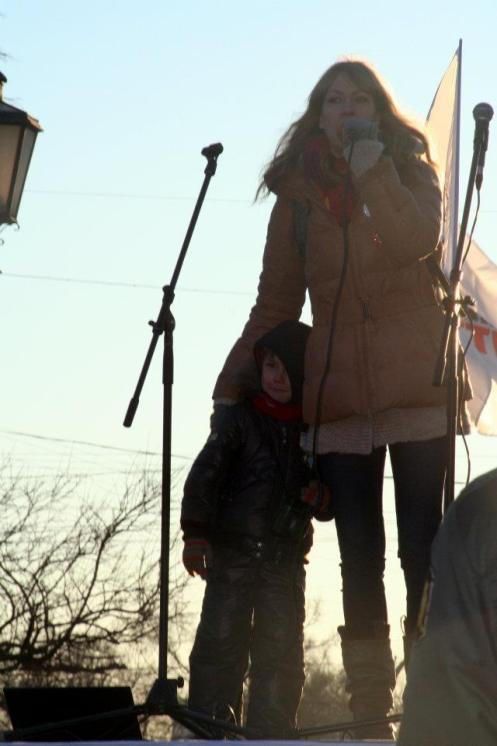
{"x":253,"y":610}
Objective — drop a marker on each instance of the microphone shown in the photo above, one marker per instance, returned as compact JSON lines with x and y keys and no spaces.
{"x":482,"y":113}
{"x":212,"y":151}
{"x":359,"y":128}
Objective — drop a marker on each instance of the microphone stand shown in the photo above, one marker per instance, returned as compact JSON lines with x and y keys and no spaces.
{"x":162,"y":698}
{"x":449,"y":368}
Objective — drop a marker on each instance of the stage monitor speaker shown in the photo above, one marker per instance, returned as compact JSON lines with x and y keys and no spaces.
{"x":30,"y":707}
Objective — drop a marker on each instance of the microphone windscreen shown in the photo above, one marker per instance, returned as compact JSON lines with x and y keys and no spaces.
{"x":212,"y":151}
{"x":359,"y":128}
{"x":483,"y":112}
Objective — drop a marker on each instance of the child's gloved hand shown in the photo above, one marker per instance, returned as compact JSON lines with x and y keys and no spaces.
{"x":318,"y":496}
{"x":197,"y":556}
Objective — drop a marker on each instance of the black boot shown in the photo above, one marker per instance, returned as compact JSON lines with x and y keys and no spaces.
{"x":409,"y":637}
{"x":408,"y":640}
{"x":370,"y":672}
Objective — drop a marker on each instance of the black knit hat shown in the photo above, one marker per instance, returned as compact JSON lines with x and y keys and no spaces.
{"x":287,"y":341}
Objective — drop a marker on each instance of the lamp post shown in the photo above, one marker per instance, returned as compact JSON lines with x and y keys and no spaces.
{"x":18,"y":133}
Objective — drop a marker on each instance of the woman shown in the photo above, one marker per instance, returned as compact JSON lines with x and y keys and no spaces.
{"x":364,"y":177}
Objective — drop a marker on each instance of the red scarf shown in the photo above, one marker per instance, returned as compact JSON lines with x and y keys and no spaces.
{"x":285,"y":412}
{"x":329,"y":173}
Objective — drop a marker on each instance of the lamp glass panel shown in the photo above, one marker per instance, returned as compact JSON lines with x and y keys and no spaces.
{"x":9,"y":137}
{"x":27,"y":145}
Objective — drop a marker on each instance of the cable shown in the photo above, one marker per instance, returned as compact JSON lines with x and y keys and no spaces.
{"x":461,"y":402}
{"x":334,"y":311}
{"x":469,"y":316}
{"x":473,"y":225}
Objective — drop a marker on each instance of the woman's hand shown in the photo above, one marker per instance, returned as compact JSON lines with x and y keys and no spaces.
{"x":365,"y":154}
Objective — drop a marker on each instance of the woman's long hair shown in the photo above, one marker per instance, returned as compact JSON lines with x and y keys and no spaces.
{"x":401,"y":137}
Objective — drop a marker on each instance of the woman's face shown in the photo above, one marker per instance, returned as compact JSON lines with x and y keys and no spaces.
{"x":344,"y":99}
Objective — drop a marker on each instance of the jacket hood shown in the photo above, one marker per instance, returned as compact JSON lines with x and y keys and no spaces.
{"x":288,"y":341}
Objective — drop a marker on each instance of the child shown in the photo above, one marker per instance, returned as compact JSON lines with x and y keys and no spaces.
{"x":247,"y":529}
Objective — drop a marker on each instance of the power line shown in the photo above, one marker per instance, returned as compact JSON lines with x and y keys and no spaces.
{"x":161,"y":197}
{"x":127,"y":195}
{"x":102,"y":446}
{"x":107,"y":283}
{"x":87,"y":475}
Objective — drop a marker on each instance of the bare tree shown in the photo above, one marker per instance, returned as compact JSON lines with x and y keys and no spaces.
{"x":79,"y":584}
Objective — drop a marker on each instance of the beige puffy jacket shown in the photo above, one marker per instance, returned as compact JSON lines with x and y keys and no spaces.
{"x":388,"y":325}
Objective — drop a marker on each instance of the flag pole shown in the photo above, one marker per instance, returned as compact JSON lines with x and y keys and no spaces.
{"x":455,"y":204}
{"x":453,"y":397}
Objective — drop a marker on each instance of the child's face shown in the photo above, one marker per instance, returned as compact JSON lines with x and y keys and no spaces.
{"x":274,"y":379}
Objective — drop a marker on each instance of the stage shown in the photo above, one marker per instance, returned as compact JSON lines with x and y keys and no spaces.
{"x":216,"y":743}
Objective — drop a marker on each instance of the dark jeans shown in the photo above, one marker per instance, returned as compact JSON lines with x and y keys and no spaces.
{"x":356,"y":484}
{"x":252,"y":608}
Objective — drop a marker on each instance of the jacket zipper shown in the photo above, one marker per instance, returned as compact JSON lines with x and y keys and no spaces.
{"x":357,"y":284}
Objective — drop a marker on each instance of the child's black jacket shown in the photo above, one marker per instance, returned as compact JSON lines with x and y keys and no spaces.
{"x":249,"y":467}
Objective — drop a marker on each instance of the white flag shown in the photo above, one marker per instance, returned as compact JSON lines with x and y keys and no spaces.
{"x":479,"y":276}
{"x":443,"y":123}
{"x":479,"y":280}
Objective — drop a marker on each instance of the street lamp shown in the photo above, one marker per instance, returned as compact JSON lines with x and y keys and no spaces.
{"x":18,"y":133}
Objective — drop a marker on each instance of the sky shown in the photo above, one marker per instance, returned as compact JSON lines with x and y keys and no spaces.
{"x":128,"y":94}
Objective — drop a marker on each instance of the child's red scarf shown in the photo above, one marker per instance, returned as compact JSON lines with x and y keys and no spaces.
{"x":285,"y":412}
